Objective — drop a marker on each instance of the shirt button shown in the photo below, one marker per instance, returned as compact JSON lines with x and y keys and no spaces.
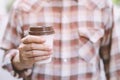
{"x":65,"y":60}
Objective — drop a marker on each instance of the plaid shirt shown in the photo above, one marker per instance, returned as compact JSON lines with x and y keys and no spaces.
{"x":83,"y":30}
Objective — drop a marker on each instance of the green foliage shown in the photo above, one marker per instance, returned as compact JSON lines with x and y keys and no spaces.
{"x":9,"y":4}
{"x":116,"y":2}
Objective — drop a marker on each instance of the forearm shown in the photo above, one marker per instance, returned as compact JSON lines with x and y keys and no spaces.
{"x":16,"y":71}
{"x":17,"y":64}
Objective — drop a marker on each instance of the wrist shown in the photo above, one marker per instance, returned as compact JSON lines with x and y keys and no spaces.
{"x":17,"y":65}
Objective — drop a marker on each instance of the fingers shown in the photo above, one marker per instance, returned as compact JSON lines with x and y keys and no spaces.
{"x":32,"y":39}
{"x":36,"y":53}
{"x":33,"y":49}
{"x":36,"y":59}
{"x":34,"y":46}
{"x":30,"y":57}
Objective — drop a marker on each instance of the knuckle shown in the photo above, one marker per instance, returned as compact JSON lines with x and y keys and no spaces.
{"x":35,"y":52}
{"x":25,"y":39}
{"x":22,"y":40}
{"x":32,"y":46}
{"x":32,"y":52}
{"x":20,"y":47}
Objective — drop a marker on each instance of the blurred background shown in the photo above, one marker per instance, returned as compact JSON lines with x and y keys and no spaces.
{"x":5,"y":6}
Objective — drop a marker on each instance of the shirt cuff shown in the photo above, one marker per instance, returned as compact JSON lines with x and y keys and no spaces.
{"x":7,"y":65}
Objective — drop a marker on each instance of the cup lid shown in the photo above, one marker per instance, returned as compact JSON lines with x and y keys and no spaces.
{"x":41,"y":30}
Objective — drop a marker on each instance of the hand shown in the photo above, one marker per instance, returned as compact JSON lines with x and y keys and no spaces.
{"x":31,"y":50}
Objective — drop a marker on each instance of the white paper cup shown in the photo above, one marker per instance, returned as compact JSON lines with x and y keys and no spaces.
{"x":48,"y":35}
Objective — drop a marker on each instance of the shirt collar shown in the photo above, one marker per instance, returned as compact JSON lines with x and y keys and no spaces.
{"x":26,"y":5}
{"x":91,"y":4}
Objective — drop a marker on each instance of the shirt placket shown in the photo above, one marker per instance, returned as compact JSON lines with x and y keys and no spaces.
{"x":65,"y":52}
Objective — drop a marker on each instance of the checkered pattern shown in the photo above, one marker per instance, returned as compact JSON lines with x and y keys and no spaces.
{"x":82,"y":27}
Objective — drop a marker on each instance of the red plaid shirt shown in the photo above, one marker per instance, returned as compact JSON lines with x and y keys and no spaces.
{"x":82,"y":31}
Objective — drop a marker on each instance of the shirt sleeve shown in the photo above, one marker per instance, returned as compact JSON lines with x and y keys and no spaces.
{"x":115,"y":52}
{"x":110,"y":46}
{"x":10,"y":43}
